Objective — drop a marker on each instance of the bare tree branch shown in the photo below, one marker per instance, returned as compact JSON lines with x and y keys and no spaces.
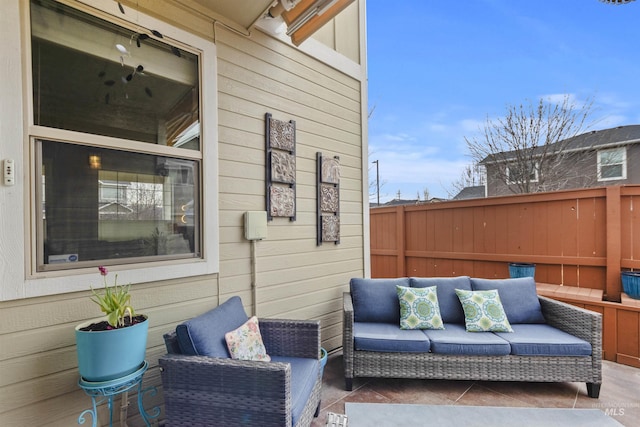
{"x":525,"y":150}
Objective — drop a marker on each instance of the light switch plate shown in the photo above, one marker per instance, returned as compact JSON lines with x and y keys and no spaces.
{"x":9,"y":172}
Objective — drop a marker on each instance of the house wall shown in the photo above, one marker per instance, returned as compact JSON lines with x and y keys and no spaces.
{"x":294,"y":277}
{"x":579,"y":171}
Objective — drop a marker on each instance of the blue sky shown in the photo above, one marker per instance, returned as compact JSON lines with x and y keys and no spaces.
{"x":438,"y":69}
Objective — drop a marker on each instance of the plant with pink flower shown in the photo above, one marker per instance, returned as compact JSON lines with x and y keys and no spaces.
{"x":115,"y":302}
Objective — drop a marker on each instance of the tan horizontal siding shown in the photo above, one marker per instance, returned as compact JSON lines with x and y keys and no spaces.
{"x":295,"y":278}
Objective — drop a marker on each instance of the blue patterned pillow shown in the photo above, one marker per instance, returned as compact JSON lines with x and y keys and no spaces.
{"x":419,"y":308}
{"x":483,"y":311}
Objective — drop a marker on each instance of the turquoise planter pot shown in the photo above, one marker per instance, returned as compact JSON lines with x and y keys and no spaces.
{"x":631,"y":283}
{"x":107,"y":355}
{"x":323,"y":360}
{"x":521,"y":270}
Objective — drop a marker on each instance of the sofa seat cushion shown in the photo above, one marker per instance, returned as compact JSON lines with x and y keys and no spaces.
{"x":519,"y":298}
{"x":304,"y":374}
{"x":204,"y":335}
{"x":450,"y":308}
{"x":387,"y":337}
{"x":544,"y":340}
{"x":375,"y":300}
{"x":454,"y":339}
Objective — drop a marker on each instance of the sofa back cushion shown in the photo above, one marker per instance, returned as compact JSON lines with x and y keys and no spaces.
{"x":376,"y":300}
{"x":519,"y":298}
{"x":204,"y":335}
{"x":450,"y":307}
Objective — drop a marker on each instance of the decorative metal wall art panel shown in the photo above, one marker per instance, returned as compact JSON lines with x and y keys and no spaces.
{"x":282,"y":134}
{"x":330,"y":228}
{"x":331,"y":170}
{"x":283,"y":201}
{"x":328,"y":202}
{"x":280,"y":168}
{"x":283,"y":167}
{"x":329,"y":198}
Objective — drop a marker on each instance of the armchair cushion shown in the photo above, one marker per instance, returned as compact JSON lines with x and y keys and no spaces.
{"x":519,"y":298}
{"x":304,"y":374}
{"x":204,"y":335}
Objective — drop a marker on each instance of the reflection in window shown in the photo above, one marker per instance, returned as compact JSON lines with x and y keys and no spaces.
{"x":612,"y":164}
{"x":517,"y":173}
{"x":90,"y":75}
{"x":134,"y":206}
{"x":134,"y":196}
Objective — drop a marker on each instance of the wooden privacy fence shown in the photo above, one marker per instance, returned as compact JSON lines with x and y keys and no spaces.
{"x":579,"y":240}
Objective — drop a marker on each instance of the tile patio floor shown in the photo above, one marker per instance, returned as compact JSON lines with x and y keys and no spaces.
{"x":619,"y":396}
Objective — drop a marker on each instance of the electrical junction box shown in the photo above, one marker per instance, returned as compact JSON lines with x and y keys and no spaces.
{"x":255,"y":225}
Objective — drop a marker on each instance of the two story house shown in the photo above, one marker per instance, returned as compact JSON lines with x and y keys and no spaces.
{"x":592,"y":159}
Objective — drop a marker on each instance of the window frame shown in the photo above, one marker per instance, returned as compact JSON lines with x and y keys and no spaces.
{"x":535,"y":173}
{"x":25,"y":280}
{"x":623,"y":164}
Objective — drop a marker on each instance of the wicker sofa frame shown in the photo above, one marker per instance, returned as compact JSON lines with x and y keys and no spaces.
{"x":208,"y":391}
{"x":581,"y":323}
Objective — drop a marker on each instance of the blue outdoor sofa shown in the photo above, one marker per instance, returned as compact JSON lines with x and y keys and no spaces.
{"x":551,"y":341}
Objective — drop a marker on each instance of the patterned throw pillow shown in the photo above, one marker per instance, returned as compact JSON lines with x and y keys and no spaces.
{"x":245,"y":343}
{"x":483,"y":311}
{"x":419,"y":308}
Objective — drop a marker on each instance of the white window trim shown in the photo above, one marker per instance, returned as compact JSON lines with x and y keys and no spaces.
{"x":624,"y":164}
{"x":17,"y":223}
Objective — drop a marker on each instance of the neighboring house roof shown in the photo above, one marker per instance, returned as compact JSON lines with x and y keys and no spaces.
{"x":396,"y":202}
{"x":114,"y":207}
{"x":475,"y":192}
{"x":617,"y":136}
{"x":399,"y":202}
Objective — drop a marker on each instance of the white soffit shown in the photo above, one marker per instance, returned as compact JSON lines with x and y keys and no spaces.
{"x":242,"y":12}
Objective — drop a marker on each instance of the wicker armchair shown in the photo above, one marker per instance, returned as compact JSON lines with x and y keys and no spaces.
{"x":213,"y":391}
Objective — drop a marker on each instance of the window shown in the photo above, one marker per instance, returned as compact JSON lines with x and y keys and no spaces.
{"x":612,"y":164}
{"x":517,"y":173}
{"x":118,"y":153}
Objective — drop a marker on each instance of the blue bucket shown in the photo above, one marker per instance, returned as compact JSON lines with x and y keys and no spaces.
{"x":517,"y":269}
{"x":631,"y":283}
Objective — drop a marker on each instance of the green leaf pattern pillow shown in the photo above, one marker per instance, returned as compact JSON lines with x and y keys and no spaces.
{"x":483,"y":311}
{"x":419,"y":308}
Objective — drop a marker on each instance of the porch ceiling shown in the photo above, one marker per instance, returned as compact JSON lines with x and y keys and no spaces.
{"x":243,"y":13}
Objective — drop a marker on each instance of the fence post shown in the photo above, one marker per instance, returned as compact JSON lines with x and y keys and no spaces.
{"x":614,"y":239}
{"x":400,"y":241}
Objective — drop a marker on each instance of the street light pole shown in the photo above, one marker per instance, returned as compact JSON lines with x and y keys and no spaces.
{"x":377,"y":181}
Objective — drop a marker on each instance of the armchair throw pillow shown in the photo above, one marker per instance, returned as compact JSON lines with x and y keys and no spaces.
{"x":419,"y":308}
{"x":245,"y":343}
{"x":483,"y":311}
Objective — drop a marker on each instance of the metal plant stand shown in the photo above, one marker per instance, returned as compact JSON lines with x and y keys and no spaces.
{"x":105,"y":391}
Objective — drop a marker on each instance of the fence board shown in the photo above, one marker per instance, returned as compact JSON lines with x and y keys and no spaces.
{"x":578,"y":238}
